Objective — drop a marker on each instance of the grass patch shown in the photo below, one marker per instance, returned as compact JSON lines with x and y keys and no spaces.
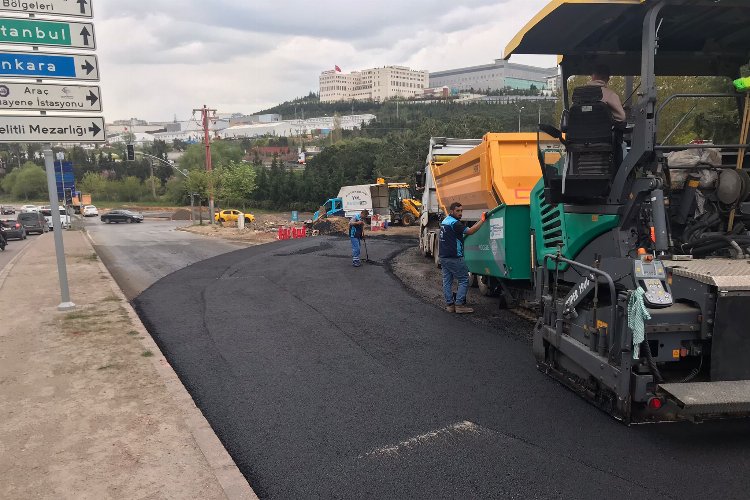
{"x":77,"y":315}
{"x":107,"y":367}
{"x":132,"y":333}
{"x":111,"y":298}
{"x":147,"y":354}
{"x":93,"y":257}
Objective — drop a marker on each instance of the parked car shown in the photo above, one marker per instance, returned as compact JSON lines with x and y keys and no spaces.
{"x":29,"y":208}
{"x":64,"y":218}
{"x":90,"y":211}
{"x":232,"y":216}
{"x":7,"y":210}
{"x":33,"y":222}
{"x":117,"y":216}
{"x":13,"y":229}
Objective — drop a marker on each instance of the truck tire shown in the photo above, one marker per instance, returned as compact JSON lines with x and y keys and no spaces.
{"x":423,"y":246}
{"x":485,"y":287}
{"x":407,"y":219}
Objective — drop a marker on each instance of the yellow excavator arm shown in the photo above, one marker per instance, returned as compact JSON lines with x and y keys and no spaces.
{"x":413,"y":206}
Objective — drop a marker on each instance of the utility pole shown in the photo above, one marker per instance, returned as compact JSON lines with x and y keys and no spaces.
{"x":207,"y":134}
{"x":152,"y":180}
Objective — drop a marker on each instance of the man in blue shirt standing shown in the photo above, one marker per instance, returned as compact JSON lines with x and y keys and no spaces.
{"x":356,"y":233}
{"x":452,"y":233}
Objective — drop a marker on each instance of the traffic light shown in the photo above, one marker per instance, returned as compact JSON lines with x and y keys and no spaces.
{"x":68,"y":196}
{"x":131,"y":152}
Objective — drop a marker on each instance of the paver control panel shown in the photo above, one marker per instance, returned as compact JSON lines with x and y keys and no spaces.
{"x":652,"y":277}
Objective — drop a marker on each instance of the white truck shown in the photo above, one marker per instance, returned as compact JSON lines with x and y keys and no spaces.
{"x":65,"y":220}
{"x":351,"y":200}
{"x":442,"y":150}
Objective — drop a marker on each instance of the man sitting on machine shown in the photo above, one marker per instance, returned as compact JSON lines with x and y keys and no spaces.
{"x":600,"y":78}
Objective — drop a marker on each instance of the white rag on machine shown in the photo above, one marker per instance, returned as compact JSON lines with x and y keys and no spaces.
{"x":637,"y":317}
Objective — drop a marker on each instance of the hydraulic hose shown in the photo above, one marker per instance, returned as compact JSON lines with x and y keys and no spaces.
{"x":652,"y":364}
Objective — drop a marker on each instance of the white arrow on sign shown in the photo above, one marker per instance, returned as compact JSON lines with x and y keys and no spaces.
{"x":59,"y":34}
{"x":55,"y":66}
{"x":74,"y":8}
{"x":49,"y":97}
{"x":53,"y":129}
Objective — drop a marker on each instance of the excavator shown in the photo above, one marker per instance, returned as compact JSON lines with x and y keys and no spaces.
{"x":405,"y":208}
{"x":633,"y":253}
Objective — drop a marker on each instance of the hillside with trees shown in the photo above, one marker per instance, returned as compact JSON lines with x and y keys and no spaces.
{"x":392,"y":146}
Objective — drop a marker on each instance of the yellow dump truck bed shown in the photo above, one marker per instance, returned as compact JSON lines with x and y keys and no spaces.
{"x":502,"y":169}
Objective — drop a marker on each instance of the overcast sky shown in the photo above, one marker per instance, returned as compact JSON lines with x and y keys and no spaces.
{"x":161,"y":58}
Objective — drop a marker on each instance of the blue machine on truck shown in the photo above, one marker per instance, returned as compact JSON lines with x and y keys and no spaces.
{"x":331,"y":208}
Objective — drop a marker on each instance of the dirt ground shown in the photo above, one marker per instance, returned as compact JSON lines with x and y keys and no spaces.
{"x":84,"y":412}
{"x":265,"y":229}
{"x":422,"y":277}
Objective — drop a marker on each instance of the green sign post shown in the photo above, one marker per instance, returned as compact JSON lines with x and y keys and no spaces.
{"x":48,"y":33}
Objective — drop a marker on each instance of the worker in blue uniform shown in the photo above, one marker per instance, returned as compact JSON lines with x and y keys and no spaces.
{"x":356,"y":233}
{"x":452,"y":233}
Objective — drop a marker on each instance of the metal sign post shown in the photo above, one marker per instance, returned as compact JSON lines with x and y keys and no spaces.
{"x":44,"y":96}
{"x":62,"y":270}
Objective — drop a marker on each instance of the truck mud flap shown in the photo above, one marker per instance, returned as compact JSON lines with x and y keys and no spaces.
{"x":709,"y":399}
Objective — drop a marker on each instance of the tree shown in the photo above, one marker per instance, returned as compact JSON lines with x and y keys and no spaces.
{"x":94,"y":183}
{"x":175,"y":190}
{"x":31,"y":182}
{"x":197,"y":182}
{"x":222,"y":152}
{"x":235,"y":183}
{"x":153,"y":186}
{"x":130,"y":189}
{"x":9,"y":181}
{"x":262,"y":187}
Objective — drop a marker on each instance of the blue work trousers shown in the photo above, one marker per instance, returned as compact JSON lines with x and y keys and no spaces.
{"x":455,"y":268}
{"x":355,"y":251}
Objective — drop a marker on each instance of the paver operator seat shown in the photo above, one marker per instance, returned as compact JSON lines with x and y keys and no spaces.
{"x":592,"y":142}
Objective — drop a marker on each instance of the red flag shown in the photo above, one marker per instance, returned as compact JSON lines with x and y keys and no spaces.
{"x":337,"y":68}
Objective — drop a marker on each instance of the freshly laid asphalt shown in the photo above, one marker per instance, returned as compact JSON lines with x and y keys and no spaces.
{"x":327,"y":381}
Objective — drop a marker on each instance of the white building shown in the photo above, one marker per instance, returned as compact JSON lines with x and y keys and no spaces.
{"x":376,"y":84}
{"x":553,"y":84}
{"x":295,"y":128}
{"x":497,"y":76}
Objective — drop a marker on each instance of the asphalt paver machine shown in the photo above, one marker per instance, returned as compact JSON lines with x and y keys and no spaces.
{"x":641,"y":263}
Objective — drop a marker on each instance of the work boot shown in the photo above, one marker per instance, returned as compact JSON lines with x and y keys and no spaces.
{"x":451,"y":308}
{"x":463,"y":309}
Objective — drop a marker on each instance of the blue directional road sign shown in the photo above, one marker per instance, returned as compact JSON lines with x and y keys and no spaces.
{"x":64,"y":178}
{"x":49,"y":65}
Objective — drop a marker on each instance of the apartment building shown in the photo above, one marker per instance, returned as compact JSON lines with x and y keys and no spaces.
{"x":377,"y":84}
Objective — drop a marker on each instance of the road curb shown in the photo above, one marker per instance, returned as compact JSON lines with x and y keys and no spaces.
{"x":229,"y":477}
{"x":9,"y":266}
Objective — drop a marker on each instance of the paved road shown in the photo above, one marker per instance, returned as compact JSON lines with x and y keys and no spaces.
{"x":15,"y":246}
{"x":325,"y":381}
{"x":138,"y":255}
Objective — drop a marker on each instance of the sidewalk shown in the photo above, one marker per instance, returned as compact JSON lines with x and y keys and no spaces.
{"x":88,"y":406}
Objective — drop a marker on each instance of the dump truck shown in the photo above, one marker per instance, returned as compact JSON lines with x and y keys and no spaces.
{"x":441,"y":150}
{"x":80,"y":200}
{"x":633,"y":260}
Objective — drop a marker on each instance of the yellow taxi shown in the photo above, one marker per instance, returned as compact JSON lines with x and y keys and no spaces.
{"x":232,"y":216}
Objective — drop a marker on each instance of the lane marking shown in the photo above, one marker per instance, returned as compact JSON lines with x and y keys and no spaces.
{"x":464,"y":427}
